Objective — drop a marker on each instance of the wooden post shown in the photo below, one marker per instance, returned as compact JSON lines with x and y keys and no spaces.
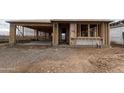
{"x":37,"y":32}
{"x":108,"y":35}
{"x":12,"y":36}
{"x":34,"y":33}
{"x":55,"y":35}
{"x":103,"y":33}
{"x":97,"y":30}
{"x":73,"y":33}
{"x":79,"y":30}
{"x":88,"y":30}
{"x":45,"y":35}
{"x":23,"y":31}
{"x":49,"y":36}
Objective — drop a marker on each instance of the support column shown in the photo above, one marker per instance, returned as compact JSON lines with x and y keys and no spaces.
{"x":37,"y":32}
{"x":97,"y":30}
{"x":88,"y":30}
{"x":73,"y":34}
{"x":49,"y":36}
{"x":34,"y":34}
{"x":79,"y":30}
{"x":23,"y":31}
{"x":12,"y":36}
{"x":107,"y":35}
{"x":55,"y":35}
{"x":103,"y":33}
{"x":45,"y":35}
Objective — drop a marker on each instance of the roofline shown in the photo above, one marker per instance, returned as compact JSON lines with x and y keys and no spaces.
{"x":29,"y":21}
{"x":58,"y":20}
{"x":81,"y":20}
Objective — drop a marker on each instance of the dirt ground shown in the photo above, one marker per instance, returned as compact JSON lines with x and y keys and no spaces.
{"x":61,"y":60}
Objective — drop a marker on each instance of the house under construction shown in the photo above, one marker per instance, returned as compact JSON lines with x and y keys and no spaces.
{"x":72,"y":32}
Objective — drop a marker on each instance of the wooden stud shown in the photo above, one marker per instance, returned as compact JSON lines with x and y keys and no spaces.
{"x":73,"y":33}
{"x":88,"y":30}
{"x":79,"y":30}
{"x":108,"y":35}
{"x":37,"y":32}
{"x":23,"y":31}
{"x":97,"y":29}
{"x":103,"y":32}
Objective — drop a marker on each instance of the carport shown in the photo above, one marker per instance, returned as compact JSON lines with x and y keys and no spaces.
{"x":41,"y":30}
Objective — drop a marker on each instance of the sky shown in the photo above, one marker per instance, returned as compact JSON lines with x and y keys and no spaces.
{"x":4,"y":27}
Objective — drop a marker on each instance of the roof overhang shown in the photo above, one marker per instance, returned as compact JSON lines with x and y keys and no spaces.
{"x":82,"y":20}
{"x":29,"y":21}
{"x":49,"y":21}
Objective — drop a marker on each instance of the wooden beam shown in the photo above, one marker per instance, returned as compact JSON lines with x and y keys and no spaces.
{"x":21,"y":24}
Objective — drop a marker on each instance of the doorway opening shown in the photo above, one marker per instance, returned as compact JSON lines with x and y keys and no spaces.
{"x":63,"y":33}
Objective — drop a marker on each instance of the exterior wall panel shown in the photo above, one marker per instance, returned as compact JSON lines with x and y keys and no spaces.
{"x":116,"y":35}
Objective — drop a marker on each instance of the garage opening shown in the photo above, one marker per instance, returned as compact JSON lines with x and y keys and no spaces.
{"x":34,"y":35}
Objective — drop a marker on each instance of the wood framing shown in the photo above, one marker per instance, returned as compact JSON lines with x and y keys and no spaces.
{"x":96,"y":32}
{"x":55,"y":34}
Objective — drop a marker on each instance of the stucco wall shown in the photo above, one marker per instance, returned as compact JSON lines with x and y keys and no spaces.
{"x":116,"y":35}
